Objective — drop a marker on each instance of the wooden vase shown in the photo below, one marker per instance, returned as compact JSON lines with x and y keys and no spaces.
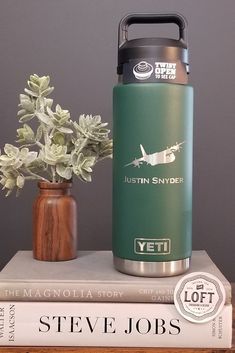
{"x":54,"y":223}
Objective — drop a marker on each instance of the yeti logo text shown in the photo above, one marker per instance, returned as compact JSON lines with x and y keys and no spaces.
{"x":152,"y":246}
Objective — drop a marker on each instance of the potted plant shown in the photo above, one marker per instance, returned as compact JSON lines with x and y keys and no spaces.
{"x":54,"y":150}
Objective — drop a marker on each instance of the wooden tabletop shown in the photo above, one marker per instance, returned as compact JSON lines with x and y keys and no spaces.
{"x":120,"y":349}
{"x":111,"y":350}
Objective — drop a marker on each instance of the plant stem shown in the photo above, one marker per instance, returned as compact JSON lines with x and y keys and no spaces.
{"x":35,"y":176}
{"x":39,"y":144}
{"x":101,"y":158}
{"x":52,"y":133}
{"x":28,"y":145}
{"x":53,"y":172}
{"x":82,"y":145}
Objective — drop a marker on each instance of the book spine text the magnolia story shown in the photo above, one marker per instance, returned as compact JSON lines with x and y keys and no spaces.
{"x":109,"y":324}
{"x":85,"y":292}
{"x":90,"y":292}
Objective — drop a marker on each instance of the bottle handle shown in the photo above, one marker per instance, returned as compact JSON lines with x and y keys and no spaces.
{"x":146,"y":18}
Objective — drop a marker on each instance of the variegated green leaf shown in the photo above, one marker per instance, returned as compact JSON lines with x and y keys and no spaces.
{"x":31,"y":93}
{"x":26,"y":118}
{"x":34,"y":87}
{"x":47,"y":91}
{"x":64,"y":171}
{"x":20,"y":181}
{"x":39,"y":133}
{"x":44,"y":83}
{"x":65,"y":130}
{"x":44,"y":118}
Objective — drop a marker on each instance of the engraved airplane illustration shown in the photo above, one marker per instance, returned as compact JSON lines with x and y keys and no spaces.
{"x":162,"y":157}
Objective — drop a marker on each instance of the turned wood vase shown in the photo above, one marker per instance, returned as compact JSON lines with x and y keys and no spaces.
{"x":54,"y":223}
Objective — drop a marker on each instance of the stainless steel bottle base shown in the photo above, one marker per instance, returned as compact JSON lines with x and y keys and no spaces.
{"x":151,"y":269}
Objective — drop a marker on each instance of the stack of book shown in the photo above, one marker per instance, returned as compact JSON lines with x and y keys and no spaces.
{"x":86,"y":302}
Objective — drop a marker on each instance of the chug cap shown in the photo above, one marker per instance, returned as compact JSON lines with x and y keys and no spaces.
{"x":153,"y":59}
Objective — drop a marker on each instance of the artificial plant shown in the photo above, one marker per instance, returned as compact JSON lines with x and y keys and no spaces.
{"x":53,"y":148}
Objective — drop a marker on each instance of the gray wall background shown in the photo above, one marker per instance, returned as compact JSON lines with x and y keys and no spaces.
{"x":75,"y":42}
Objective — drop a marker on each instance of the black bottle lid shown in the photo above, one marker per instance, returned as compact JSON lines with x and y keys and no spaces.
{"x":153,"y":59}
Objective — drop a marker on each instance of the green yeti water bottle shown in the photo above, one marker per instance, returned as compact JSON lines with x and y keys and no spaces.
{"x":153,"y":143}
